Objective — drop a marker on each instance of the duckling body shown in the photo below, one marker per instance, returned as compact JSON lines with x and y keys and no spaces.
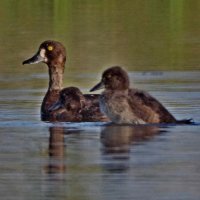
{"x":125,"y":105}
{"x":75,"y":107}
{"x":69,"y":105}
{"x":53,"y":54}
{"x":117,"y":107}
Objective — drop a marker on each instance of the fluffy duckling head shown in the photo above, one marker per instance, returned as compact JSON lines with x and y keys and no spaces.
{"x":114,"y":78}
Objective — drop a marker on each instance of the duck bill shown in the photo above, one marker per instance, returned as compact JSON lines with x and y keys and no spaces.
{"x":37,"y":58}
{"x":97,"y":87}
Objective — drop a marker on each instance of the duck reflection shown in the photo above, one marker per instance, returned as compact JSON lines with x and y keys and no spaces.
{"x":56,"y":150}
{"x":117,"y":141}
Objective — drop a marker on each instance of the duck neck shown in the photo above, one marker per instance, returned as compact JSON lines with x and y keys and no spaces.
{"x":55,"y":78}
{"x":55,"y":85}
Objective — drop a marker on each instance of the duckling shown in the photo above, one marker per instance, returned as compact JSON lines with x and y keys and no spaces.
{"x":125,"y":105}
{"x":53,"y":54}
{"x":69,"y":105}
{"x":73,"y":106}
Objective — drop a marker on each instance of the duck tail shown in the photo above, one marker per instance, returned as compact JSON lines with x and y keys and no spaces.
{"x":185,"y":121}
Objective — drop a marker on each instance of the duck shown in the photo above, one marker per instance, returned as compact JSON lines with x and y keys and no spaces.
{"x":53,"y":54}
{"x":69,"y":105}
{"x":125,"y":105}
{"x":73,"y":106}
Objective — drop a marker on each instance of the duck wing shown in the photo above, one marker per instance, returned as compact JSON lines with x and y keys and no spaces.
{"x":92,"y":99}
{"x":91,"y":111}
{"x":148,"y":108}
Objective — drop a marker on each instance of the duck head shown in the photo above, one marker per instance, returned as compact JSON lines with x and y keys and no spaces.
{"x":51,"y":52}
{"x":71,"y":98}
{"x":114,"y":78}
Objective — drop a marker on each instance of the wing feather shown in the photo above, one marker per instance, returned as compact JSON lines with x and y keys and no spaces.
{"x":149,"y":108}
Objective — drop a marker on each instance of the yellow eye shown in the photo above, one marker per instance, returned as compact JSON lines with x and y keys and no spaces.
{"x":50,"y":48}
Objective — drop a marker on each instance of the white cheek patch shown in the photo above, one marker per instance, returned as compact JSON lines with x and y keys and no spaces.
{"x":43,"y":54}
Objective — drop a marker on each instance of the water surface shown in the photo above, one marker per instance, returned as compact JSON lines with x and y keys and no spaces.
{"x":41,"y":160}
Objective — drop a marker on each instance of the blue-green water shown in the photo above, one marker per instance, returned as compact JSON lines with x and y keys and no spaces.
{"x":158,"y":42}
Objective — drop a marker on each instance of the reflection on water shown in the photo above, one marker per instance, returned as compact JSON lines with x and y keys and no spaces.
{"x":56,"y":150}
{"x":128,"y":162}
{"x":117,"y":141}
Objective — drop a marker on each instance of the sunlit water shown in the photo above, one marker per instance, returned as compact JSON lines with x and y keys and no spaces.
{"x":158,"y":43}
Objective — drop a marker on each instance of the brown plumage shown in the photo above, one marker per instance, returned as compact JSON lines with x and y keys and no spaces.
{"x":69,"y":105}
{"x":129,"y":105}
{"x":73,"y":106}
{"x":54,"y":55}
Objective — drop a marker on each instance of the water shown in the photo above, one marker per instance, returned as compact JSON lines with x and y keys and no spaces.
{"x":40,"y":160}
{"x":96,"y":161}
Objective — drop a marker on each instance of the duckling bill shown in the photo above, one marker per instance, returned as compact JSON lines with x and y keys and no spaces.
{"x":125,"y":105}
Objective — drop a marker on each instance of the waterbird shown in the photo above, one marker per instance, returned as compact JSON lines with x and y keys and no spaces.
{"x":53,"y":54}
{"x":125,"y":105}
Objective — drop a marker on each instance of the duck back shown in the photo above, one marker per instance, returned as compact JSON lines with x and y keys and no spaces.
{"x":91,"y":111}
{"x":149,"y":108}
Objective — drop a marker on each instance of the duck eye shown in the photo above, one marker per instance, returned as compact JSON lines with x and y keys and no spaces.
{"x":50,"y":48}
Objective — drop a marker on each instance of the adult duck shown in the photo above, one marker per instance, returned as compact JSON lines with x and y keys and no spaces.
{"x":53,"y":54}
{"x":123,"y":104}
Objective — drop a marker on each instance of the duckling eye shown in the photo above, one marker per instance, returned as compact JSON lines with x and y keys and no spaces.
{"x":50,"y":48}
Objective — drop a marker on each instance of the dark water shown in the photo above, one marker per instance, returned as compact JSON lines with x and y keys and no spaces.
{"x":158,"y":41}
